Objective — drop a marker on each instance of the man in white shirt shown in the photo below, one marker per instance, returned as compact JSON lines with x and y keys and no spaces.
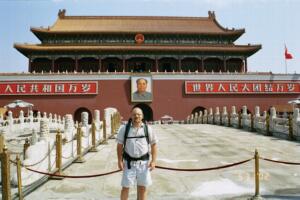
{"x":134,"y":154}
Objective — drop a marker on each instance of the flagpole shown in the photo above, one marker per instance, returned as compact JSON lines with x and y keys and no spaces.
{"x":285,"y":59}
{"x":285,"y":66}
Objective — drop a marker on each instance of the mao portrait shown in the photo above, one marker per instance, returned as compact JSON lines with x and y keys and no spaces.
{"x":141,"y":89}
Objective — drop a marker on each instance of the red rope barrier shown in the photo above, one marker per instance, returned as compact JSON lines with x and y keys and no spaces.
{"x":205,"y":169}
{"x":66,"y":176}
{"x":278,"y":161}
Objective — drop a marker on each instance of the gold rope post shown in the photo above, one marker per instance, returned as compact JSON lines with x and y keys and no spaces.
{"x":79,"y":154}
{"x":104,"y":132}
{"x":25,"y":147}
{"x":257,"y":195}
{"x":93,"y":149}
{"x":19,"y":175}
{"x":1,"y":143}
{"x":58,"y":159}
{"x":5,"y":174}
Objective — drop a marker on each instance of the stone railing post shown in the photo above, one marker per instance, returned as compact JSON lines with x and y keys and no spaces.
{"x":244,"y":116}
{"x":224,"y":115}
{"x":104,"y":132}
{"x":268,"y":124}
{"x":252,"y":123}
{"x":112,"y":125}
{"x":25,"y":147}
{"x":210,"y":116}
{"x":296,"y":120}
{"x":272,"y":117}
{"x":217,"y":116}
{"x":21,"y":117}
{"x":205,"y":116}
{"x":192,"y":119}
{"x":196,"y":118}
{"x":200,"y":120}
{"x":233,"y":115}
{"x":291,"y":132}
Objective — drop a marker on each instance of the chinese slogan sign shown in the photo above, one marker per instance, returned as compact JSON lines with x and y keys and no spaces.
{"x":239,"y":87}
{"x":49,"y":88}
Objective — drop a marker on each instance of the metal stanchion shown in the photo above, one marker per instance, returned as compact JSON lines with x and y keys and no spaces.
{"x":256,"y":175}
{"x":94,"y":148}
{"x":19,"y":175}
{"x":79,"y":153}
{"x":5,"y":174}
{"x":229,"y":120}
{"x":58,"y":158}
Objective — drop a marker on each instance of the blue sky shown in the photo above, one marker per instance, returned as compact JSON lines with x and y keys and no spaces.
{"x":271,"y":23}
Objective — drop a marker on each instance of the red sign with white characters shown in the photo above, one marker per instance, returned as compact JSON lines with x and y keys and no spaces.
{"x":241,"y":87}
{"x":49,"y":88}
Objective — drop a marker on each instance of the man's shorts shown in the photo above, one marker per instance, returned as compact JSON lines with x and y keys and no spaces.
{"x":139,"y":174}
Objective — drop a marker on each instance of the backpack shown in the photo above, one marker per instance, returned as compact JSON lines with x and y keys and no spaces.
{"x":125,"y":155}
{"x":127,"y":131}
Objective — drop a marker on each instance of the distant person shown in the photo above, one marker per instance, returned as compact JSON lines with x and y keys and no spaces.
{"x":137,"y":152}
{"x":141,"y":94}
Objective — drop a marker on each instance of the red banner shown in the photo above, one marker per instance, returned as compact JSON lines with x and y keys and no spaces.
{"x":49,"y":88}
{"x":239,"y":87}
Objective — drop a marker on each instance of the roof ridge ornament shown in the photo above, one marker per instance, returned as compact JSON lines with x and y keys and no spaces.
{"x":61,"y":13}
{"x":211,"y":14}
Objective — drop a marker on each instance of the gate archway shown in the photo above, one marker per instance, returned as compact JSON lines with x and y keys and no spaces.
{"x":198,"y":109}
{"x":77,"y":114}
{"x":147,"y":110}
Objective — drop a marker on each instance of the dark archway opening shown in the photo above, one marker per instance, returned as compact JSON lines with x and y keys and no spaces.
{"x":147,"y":110}
{"x":77,"y":114}
{"x":198,"y":109}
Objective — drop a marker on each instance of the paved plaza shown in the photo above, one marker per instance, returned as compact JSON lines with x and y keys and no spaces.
{"x":190,"y":146}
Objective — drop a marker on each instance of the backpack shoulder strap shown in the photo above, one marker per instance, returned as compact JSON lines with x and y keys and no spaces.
{"x":127,"y":128}
{"x":146,"y":133}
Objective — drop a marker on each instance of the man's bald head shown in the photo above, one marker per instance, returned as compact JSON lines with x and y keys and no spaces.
{"x":137,"y":110}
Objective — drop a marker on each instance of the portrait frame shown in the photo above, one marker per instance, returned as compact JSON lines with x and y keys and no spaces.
{"x":141,"y":96}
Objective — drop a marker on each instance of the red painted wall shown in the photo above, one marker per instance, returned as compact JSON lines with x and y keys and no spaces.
{"x":168,"y":98}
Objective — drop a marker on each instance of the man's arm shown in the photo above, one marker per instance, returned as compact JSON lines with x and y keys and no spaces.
{"x":119,"y":153}
{"x":153,"y":155}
